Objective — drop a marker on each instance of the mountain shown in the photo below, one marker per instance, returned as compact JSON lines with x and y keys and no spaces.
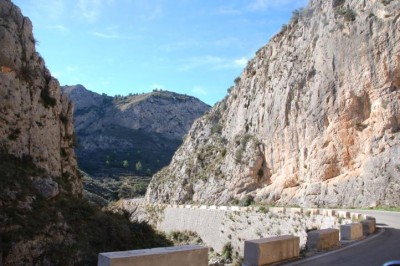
{"x":313,"y":120}
{"x":116,"y":133}
{"x":43,"y":218}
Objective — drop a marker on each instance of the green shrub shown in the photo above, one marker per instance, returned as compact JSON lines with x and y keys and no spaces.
{"x":227,"y":251}
{"x":246,"y":201}
{"x":347,"y":13}
{"x":263,"y":209}
{"x":237,"y":80}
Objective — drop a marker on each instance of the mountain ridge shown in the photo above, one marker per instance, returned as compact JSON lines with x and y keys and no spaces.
{"x":123,"y":140}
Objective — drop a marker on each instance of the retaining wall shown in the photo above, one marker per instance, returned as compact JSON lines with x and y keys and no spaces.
{"x":218,"y":225}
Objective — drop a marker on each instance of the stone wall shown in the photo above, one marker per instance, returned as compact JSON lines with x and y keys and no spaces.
{"x":219,"y":225}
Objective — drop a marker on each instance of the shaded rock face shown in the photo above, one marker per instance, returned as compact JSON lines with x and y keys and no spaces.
{"x":37,"y":161}
{"x":313,"y":120}
{"x":145,"y":127}
{"x":36,"y":121}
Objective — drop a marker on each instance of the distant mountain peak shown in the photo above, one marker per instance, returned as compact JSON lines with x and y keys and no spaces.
{"x":152,"y":124}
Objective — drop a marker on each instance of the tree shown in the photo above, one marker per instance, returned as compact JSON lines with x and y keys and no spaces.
{"x":138,"y":166}
{"x":125,"y":163}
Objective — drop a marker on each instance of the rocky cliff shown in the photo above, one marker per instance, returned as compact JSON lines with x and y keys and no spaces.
{"x":115,"y":133}
{"x":36,"y":145}
{"x":43,"y":219}
{"x":313,"y":119}
{"x":36,"y":121}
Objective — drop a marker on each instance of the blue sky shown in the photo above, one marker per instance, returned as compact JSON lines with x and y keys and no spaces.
{"x":194,"y":47}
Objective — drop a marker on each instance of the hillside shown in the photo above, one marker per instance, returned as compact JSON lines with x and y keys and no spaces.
{"x":313,"y":120}
{"x":116,"y":133}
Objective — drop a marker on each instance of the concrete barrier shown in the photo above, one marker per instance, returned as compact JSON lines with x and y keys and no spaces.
{"x":296,"y":210}
{"x":327,"y":212}
{"x":323,"y":239}
{"x":369,"y":226}
{"x":312,"y":211}
{"x":351,"y":231}
{"x":344,"y":214}
{"x":235,"y":208}
{"x":170,"y":256}
{"x":355,"y":216}
{"x":277,"y":209}
{"x":270,"y":250}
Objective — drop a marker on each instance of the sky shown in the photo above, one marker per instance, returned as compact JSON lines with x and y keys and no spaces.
{"x":117,"y":47}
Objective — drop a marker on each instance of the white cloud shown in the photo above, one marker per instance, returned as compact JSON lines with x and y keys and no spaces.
{"x":105,"y":35}
{"x":241,"y":62}
{"x":112,"y":33}
{"x":179,"y":45}
{"x":213,"y":62}
{"x":60,"y":28}
{"x":89,"y":9}
{"x":260,"y":5}
{"x":228,"y":42}
{"x":196,"y":62}
{"x":197,"y":90}
{"x":227,"y":10}
{"x":71,"y":69}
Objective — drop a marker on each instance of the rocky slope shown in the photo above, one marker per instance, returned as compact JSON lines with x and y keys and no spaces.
{"x":43,"y":219}
{"x":313,"y":120}
{"x":146,"y":128}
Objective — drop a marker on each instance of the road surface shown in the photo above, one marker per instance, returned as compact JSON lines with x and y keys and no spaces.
{"x":373,"y":251}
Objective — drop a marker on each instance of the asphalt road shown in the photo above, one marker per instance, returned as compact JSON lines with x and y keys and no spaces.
{"x":375,"y":250}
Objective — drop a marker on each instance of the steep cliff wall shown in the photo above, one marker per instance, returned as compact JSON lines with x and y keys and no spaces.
{"x":36,"y":122}
{"x":37,"y":158}
{"x":314,"y":118}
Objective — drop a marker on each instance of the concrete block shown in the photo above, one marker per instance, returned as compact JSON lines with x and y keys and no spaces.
{"x":351,"y":231}
{"x":296,"y":210}
{"x":235,"y":208}
{"x":326,"y":212}
{"x":323,"y":239}
{"x":369,"y":226}
{"x":277,"y":209}
{"x":344,"y":214}
{"x":223,"y":208}
{"x":171,"y":256}
{"x":270,"y":250}
{"x":312,"y":211}
{"x":188,"y":206}
{"x":203,"y":207}
{"x":355,"y":216}
{"x":213,"y":207}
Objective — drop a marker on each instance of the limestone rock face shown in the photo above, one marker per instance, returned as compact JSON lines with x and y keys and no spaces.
{"x":313,"y":120}
{"x":144,"y":127}
{"x":37,"y":160}
{"x":36,"y":121}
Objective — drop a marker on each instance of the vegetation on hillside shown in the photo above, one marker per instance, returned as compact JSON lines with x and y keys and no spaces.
{"x":65,"y":230}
